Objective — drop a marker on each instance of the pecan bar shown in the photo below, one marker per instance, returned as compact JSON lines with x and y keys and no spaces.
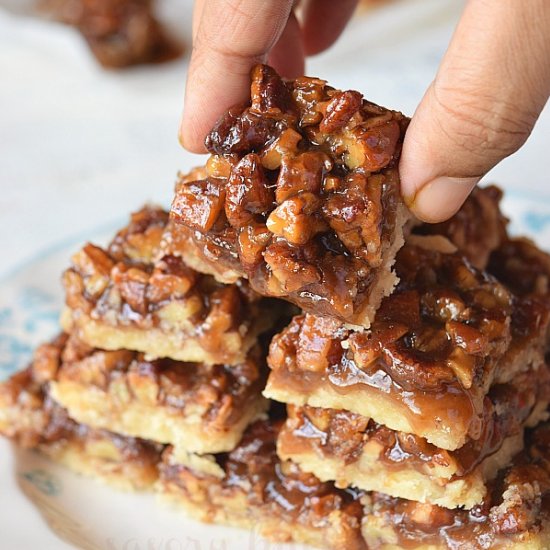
{"x":438,"y":344}
{"x":257,"y":491}
{"x":301,"y":196}
{"x":514,"y":514}
{"x":131,"y":296}
{"x":355,"y":451}
{"x":119,"y":33}
{"x":32,"y":419}
{"x":197,"y":408}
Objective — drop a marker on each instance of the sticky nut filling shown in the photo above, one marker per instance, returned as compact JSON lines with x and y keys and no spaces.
{"x":254,"y":467}
{"x":123,"y":285}
{"x":301,"y":193}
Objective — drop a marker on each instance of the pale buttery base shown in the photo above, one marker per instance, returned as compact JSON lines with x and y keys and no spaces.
{"x":374,"y":404}
{"x":386,"y":279}
{"x":188,"y":432}
{"x":157,"y":342}
{"x":98,"y":459}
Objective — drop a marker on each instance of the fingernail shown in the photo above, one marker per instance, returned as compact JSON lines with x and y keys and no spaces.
{"x":440,"y":199}
{"x":181,"y":137}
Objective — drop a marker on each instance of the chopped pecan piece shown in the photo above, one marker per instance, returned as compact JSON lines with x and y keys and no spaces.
{"x":199,"y":204}
{"x":247,"y":192}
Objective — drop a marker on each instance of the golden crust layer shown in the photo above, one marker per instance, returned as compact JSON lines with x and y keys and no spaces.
{"x":301,"y":196}
{"x":122,"y":298}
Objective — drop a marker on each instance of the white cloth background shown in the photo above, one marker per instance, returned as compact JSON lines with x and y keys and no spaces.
{"x":81,"y":147}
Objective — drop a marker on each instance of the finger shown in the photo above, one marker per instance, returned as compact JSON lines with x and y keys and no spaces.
{"x":489,"y":91}
{"x":323,"y":22}
{"x":232,"y":36}
{"x":197,"y":16}
{"x":287,"y":56}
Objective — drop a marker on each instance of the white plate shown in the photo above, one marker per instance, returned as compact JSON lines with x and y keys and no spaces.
{"x":44,"y":506}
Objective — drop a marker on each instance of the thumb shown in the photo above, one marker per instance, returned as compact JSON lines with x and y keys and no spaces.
{"x":489,"y":91}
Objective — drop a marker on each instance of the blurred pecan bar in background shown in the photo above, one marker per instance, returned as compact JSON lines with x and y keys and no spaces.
{"x":301,"y":196}
{"x":121,"y":298}
{"x":353,"y":450}
{"x":438,"y":344}
{"x":255,"y":490}
{"x":119,"y":33}
{"x":195,"y":407}
{"x":514,"y":514}
{"x":30,"y":417}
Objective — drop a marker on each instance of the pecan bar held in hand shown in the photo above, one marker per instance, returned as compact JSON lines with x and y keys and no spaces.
{"x":301,"y":196}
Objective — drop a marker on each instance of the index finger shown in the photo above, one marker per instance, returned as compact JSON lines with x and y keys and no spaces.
{"x":230,"y":38}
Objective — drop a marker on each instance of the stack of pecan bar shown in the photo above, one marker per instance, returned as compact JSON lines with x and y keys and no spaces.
{"x":408,"y":392}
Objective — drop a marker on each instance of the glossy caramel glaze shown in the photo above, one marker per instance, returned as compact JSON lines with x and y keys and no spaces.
{"x":272,"y":488}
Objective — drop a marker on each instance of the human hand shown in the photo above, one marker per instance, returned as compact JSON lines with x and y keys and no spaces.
{"x":488,"y":93}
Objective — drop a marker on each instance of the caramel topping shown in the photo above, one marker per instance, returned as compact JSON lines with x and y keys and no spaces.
{"x":442,"y":330}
